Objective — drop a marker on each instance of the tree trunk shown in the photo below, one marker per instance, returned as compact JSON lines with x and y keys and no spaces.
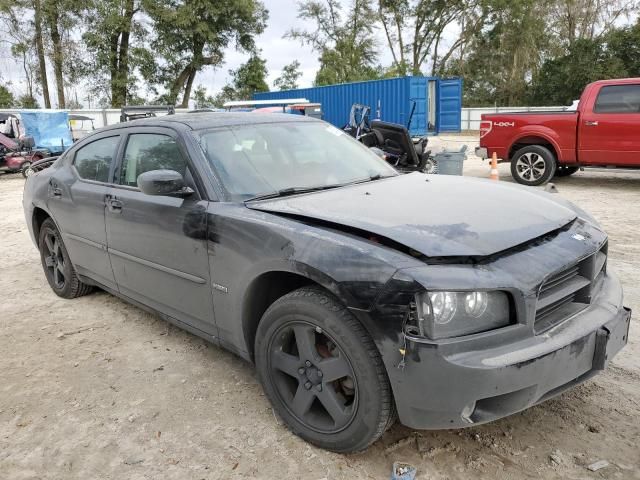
{"x":121,"y":78}
{"x":58,"y":56}
{"x":113,"y":69}
{"x":42,"y":65}
{"x":187,"y":90}
{"x":178,"y":84}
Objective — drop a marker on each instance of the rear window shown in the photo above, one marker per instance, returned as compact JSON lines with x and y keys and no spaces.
{"x":94,"y":160}
{"x":618,"y":99}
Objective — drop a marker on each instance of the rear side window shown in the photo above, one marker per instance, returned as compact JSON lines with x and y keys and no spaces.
{"x":150,"y":151}
{"x":94,"y":160}
{"x":618,"y":99}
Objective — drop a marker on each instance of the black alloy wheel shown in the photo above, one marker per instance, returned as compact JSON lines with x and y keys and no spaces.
{"x":57,"y":266}
{"x":322,"y":371}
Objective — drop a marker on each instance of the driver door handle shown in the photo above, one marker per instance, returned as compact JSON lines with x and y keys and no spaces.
{"x":591,"y":123}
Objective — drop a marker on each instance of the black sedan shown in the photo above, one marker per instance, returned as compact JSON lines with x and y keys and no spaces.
{"x":361,"y":295}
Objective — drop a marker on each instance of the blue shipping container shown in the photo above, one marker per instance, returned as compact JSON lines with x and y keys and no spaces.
{"x":438,"y":102}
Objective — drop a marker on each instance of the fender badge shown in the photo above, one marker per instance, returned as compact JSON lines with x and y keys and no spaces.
{"x":577,"y":236}
{"x":219,"y":287}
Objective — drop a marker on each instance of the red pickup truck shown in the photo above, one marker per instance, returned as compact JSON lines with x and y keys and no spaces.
{"x":604,"y":131}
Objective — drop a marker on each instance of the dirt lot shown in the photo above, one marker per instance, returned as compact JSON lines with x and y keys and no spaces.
{"x":94,"y":388}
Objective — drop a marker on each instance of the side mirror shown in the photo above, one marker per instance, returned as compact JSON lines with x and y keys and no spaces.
{"x":163,"y":182}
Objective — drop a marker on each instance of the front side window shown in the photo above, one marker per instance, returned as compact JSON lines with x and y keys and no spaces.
{"x":618,"y":99}
{"x":264,"y":158}
{"x":150,"y":151}
{"x":94,"y":160}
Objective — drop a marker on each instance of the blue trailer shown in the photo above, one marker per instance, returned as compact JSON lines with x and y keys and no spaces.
{"x":438,"y":101}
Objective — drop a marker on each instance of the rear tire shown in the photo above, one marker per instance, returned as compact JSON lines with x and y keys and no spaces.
{"x":56,"y":264}
{"x":533,"y":165}
{"x":345,"y":407}
{"x":564,"y":171}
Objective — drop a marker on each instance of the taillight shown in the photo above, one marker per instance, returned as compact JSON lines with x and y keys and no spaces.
{"x":485,"y":127}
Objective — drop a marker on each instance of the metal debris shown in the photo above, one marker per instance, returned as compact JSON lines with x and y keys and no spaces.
{"x":600,"y":464}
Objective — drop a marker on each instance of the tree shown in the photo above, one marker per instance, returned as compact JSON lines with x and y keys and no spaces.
{"x":59,"y":19}
{"x":246,"y":80}
{"x":288,"y":79}
{"x":192,"y":34}
{"x":415,"y":30}
{"x":7,"y":99}
{"x":201,"y":97}
{"x":624,"y":44}
{"x":42,"y":65}
{"x":347,"y":47}
{"x":17,"y":27}
{"x":27,"y":101}
{"x":587,"y":19}
{"x":499,"y":61}
{"x":112,"y":26}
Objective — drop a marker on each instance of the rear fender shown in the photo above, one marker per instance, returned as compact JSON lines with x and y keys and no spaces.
{"x":538,"y":135}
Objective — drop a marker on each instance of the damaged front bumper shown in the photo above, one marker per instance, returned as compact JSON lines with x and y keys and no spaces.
{"x":438,"y":386}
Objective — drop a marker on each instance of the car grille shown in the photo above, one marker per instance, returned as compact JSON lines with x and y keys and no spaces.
{"x":570,"y":290}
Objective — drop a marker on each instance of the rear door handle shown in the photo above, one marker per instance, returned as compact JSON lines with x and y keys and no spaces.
{"x":591,"y":123}
{"x":113,"y":204}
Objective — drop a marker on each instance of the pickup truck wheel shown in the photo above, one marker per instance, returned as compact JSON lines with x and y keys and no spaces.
{"x":533,"y":165}
{"x":322,"y":372}
{"x":563,"y":171}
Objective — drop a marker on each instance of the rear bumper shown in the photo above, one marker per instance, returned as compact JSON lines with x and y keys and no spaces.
{"x":482,"y":152}
{"x":469,"y":388}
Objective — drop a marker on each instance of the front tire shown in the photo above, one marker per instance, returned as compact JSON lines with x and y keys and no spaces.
{"x":322,"y":372}
{"x":533,"y":165}
{"x":57,"y":266}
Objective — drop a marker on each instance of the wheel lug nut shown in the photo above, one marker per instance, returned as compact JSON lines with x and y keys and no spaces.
{"x":307,"y":385}
{"x":301,"y":370}
{"x":319,"y":387}
{"x":319,"y":373}
{"x":307,"y":363}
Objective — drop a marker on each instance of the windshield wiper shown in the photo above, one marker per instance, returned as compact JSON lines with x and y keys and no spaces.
{"x":372,"y":178}
{"x":286,"y":192}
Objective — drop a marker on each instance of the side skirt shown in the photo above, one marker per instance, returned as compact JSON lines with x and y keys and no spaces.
{"x":164,"y":316}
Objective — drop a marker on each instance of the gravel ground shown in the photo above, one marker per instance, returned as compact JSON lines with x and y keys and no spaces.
{"x":94,"y":388}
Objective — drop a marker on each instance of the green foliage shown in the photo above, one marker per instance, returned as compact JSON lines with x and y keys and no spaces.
{"x":201,"y":97}
{"x":624,"y":44}
{"x":7,"y":99}
{"x":288,"y":79}
{"x":115,"y":41}
{"x":561,"y":80}
{"x":191,"y":34}
{"x":347,"y":47}
{"x":27,"y":101}
{"x":248,"y":79}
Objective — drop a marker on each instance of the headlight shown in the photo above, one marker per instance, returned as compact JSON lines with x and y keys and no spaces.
{"x":451,"y":314}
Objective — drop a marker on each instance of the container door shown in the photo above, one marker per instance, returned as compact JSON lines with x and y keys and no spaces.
{"x":449,"y":105}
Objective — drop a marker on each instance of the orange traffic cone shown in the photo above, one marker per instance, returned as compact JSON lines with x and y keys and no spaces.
{"x":494,"y":167}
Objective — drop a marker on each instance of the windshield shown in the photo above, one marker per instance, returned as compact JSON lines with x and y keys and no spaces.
{"x":259,"y":159}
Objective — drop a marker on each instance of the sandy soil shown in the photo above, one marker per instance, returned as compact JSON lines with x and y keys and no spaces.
{"x":97,"y":389}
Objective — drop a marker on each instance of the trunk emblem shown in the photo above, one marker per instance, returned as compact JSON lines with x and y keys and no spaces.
{"x":578,"y":237}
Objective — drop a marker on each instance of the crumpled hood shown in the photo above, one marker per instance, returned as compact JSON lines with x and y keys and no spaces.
{"x":438,"y":216}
